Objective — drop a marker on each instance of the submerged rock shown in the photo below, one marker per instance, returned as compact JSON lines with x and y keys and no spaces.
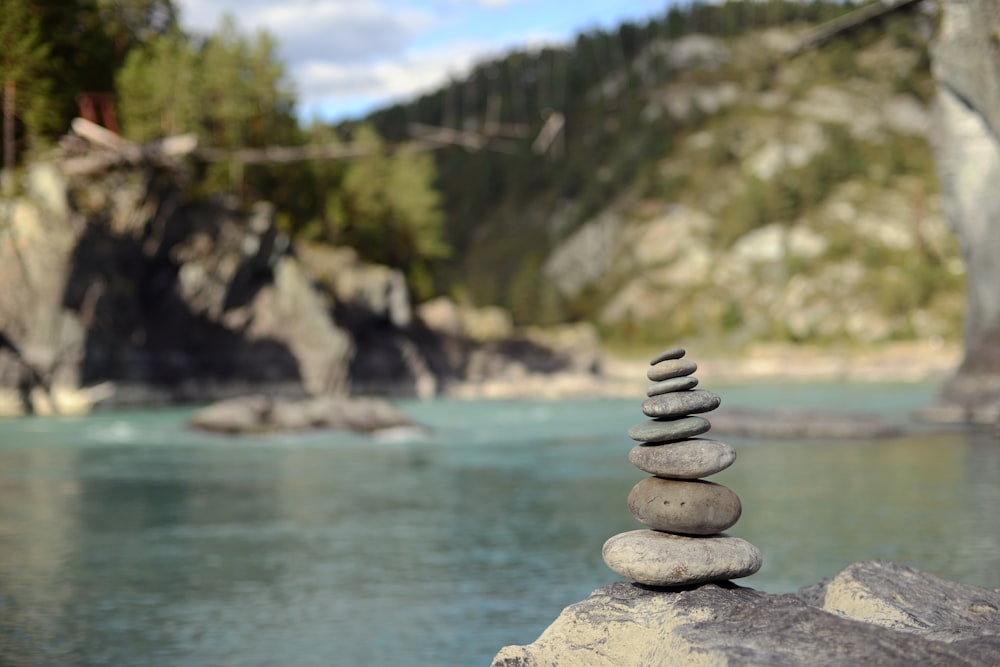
{"x":264,"y":414}
{"x":872,"y":613}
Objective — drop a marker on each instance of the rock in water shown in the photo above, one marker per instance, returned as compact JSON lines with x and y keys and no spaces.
{"x":686,"y":459}
{"x":686,"y":513}
{"x":655,"y":558}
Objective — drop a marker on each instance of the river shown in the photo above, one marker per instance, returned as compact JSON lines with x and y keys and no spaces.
{"x":126,"y":539}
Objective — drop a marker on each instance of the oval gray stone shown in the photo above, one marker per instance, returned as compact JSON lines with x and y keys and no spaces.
{"x":671,"y":368}
{"x":669,"y":430}
{"x":661,"y":559}
{"x":687,"y":459}
{"x":692,"y":507}
{"x":673,"y":384}
{"x":680,"y":403}
{"x":670,"y":353}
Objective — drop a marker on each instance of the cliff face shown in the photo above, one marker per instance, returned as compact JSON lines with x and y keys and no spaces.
{"x":116,"y":278}
{"x":966,"y":66}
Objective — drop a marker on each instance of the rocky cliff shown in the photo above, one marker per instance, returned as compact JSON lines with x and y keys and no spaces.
{"x":876,"y":613}
{"x":118,"y":285}
{"x":966,"y":65}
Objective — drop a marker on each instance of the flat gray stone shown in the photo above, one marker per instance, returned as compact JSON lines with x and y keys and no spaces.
{"x":687,"y":459}
{"x":680,"y":403}
{"x":663,"y":559}
{"x":673,"y":384}
{"x":670,"y":353}
{"x":692,"y":507}
{"x":897,"y":617}
{"x":671,"y":368}
{"x":669,"y":430}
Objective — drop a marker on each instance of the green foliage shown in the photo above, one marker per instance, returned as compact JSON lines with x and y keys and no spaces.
{"x":22,"y":51}
{"x":386,"y":208}
{"x":792,"y":193}
{"x":23,"y":61}
{"x":159,"y":89}
{"x":232,"y":92}
{"x":132,"y":22}
{"x":601,"y":83}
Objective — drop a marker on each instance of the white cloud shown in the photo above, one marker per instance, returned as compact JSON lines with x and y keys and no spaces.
{"x":345,"y":54}
{"x":395,"y":78}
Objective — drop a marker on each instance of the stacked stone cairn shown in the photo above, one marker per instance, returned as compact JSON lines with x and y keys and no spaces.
{"x":686,"y":514}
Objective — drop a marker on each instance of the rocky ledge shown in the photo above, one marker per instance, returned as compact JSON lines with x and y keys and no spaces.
{"x":876,"y":613}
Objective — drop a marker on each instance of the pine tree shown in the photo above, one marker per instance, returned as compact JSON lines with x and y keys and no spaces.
{"x":387,"y":208}
{"x":158,"y":89}
{"x":22,"y":57}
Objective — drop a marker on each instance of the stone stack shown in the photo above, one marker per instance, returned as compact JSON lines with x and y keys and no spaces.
{"x":685,"y":514}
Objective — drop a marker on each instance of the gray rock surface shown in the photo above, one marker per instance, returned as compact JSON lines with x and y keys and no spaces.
{"x":966,"y":135}
{"x":671,"y":368}
{"x":692,"y":507}
{"x":872,"y":613}
{"x":263,"y":414}
{"x":673,"y":384}
{"x":687,"y":459}
{"x":122,"y":279}
{"x":669,"y":353}
{"x":655,"y":430}
{"x":654,"y":558}
{"x":679,"y":403}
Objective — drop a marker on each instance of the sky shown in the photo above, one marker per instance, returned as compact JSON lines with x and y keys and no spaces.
{"x":347,"y":57}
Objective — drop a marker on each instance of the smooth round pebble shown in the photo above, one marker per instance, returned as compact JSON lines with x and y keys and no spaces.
{"x":670,"y":353}
{"x":673,"y":384}
{"x":680,"y":403}
{"x":661,"y":559}
{"x":671,"y":368}
{"x":687,"y":459}
{"x":692,"y":507}
{"x":657,"y":430}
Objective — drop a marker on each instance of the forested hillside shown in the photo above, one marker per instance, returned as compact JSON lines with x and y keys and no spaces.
{"x":683,"y":175}
{"x":704,"y":180}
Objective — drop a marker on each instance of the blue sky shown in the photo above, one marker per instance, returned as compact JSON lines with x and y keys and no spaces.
{"x":346,"y":57}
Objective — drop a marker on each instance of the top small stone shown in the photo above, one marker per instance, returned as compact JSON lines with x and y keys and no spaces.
{"x":671,"y":368}
{"x":672,"y":353}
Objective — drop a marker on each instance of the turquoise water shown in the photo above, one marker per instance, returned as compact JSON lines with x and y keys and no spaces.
{"x":127,"y":540}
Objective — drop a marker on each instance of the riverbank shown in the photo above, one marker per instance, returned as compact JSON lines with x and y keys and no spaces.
{"x":623,"y":373}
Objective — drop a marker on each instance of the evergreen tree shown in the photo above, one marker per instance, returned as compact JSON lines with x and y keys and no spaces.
{"x":388,"y":210}
{"x":159,"y":87}
{"x":130,"y":23}
{"x":22,"y":58}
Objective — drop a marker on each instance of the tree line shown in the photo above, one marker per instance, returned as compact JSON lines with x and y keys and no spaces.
{"x":410,"y":209}
{"x":231,"y":90}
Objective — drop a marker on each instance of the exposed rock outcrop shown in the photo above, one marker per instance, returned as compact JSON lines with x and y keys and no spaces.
{"x":966,"y":66}
{"x":119,"y":278}
{"x":874,"y":613}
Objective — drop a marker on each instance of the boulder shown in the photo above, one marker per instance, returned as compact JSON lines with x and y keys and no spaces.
{"x":263,"y":414}
{"x":876,"y":613}
{"x":965,"y":131}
